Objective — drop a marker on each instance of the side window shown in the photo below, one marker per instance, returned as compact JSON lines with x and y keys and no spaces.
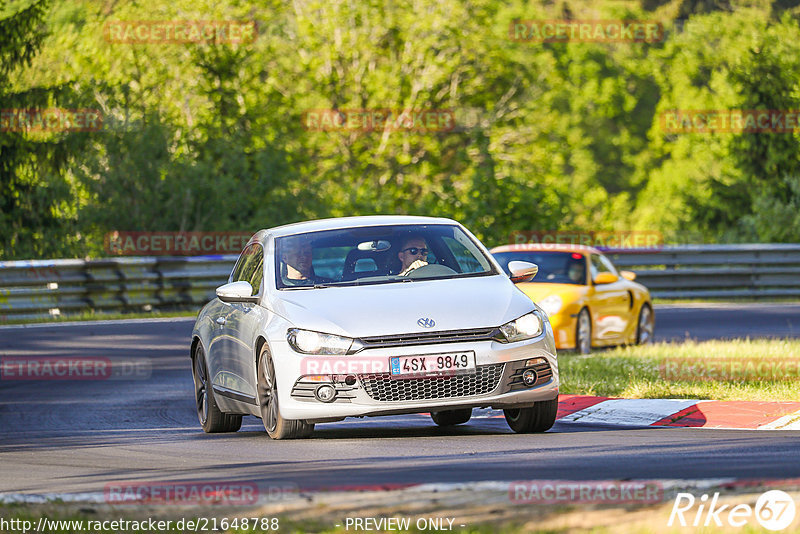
{"x":236,"y":275}
{"x":598,"y":266}
{"x":609,"y":266}
{"x":250,"y":267}
{"x":253,"y":270}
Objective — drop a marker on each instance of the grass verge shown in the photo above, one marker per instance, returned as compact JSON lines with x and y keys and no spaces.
{"x":745,"y":369}
{"x":468,"y":510}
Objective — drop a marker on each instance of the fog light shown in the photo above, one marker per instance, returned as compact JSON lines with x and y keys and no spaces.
{"x":529,"y":377}
{"x":350,"y":380}
{"x":325,"y":393}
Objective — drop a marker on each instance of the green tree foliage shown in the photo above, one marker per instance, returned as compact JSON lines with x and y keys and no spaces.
{"x":37,"y":213}
{"x":708,"y":182}
{"x":548,"y":135}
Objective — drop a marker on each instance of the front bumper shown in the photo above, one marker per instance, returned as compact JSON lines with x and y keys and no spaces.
{"x":497,"y":381}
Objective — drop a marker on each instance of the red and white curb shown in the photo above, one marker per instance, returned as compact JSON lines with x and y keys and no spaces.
{"x":746,"y":415}
{"x":731,"y":415}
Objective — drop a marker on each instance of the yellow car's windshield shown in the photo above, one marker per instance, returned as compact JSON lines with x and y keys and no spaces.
{"x":554,"y":267}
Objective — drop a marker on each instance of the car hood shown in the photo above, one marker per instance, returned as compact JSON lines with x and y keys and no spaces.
{"x":395,"y":308}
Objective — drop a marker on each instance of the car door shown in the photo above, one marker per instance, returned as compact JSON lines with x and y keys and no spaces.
{"x":610,"y":302}
{"x":246,"y":320}
{"x":219,"y":352}
{"x":234,"y":375}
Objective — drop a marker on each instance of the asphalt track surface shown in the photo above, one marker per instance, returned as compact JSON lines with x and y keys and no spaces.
{"x":78,"y":436}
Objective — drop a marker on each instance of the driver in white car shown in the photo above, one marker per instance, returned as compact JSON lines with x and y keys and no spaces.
{"x":412,"y":255}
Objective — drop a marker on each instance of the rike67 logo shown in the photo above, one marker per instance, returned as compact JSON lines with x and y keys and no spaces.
{"x":774,"y":510}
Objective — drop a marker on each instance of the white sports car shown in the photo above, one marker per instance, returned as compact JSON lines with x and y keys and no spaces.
{"x":366,"y":316}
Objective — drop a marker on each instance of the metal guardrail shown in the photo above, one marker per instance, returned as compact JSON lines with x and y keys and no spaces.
{"x":44,"y":288}
{"x":716,"y":271}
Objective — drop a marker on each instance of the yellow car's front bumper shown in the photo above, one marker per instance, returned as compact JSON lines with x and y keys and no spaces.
{"x":564,"y":325}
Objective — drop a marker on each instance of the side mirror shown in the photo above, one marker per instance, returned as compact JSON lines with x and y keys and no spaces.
{"x":522,"y":271}
{"x":236,"y":292}
{"x":605,"y":278}
{"x":628,"y":275}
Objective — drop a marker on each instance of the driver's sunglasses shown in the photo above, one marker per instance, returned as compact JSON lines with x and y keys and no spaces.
{"x":414,"y":251}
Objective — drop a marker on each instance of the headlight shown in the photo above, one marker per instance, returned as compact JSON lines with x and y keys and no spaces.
{"x":551,"y":305}
{"x":309,"y":342}
{"x":525,"y":327}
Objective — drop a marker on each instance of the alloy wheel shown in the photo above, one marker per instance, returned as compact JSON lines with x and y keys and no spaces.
{"x":646,"y":325}
{"x":201,"y":386}
{"x":584,"y":344}
{"x":268,"y":394}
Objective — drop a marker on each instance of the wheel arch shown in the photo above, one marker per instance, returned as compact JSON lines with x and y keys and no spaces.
{"x":193,"y":349}
{"x":261,"y":340}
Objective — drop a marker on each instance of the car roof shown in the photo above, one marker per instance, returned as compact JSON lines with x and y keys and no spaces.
{"x":545,"y":247}
{"x":352,"y":222}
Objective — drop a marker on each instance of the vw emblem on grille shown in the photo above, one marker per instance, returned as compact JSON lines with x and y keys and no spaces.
{"x":425,"y":322}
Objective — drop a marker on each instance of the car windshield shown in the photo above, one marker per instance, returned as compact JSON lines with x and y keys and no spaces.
{"x":377,"y":254}
{"x":554,"y":267}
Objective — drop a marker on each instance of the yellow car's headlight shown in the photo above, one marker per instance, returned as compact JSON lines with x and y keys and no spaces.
{"x":551,"y":305}
{"x":528,"y":326}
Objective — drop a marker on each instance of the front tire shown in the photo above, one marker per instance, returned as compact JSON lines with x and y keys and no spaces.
{"x":537,"y":418}
{"x":451,"y":417}
{"x":212,"y":419}
{"x":276,"y":426}
{"x":583,"y":332}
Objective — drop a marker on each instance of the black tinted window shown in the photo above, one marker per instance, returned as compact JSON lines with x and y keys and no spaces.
{"x":554,"y":267}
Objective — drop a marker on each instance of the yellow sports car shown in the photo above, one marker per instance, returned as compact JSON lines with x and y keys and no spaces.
{"x":589,"y":302}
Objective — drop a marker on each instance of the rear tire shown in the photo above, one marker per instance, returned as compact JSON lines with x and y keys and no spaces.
{"x":646,"y":325}
{"x":537,"y":418}
{"x":276,"y":426}
{"x":212,"y":419}
{"x":451,"y":417}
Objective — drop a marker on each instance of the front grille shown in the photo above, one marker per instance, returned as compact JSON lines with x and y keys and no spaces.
{"x":382,"y":387}
{"x":429,"y":338}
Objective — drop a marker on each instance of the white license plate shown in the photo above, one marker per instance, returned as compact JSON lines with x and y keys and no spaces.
{"x":448,"y":364}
